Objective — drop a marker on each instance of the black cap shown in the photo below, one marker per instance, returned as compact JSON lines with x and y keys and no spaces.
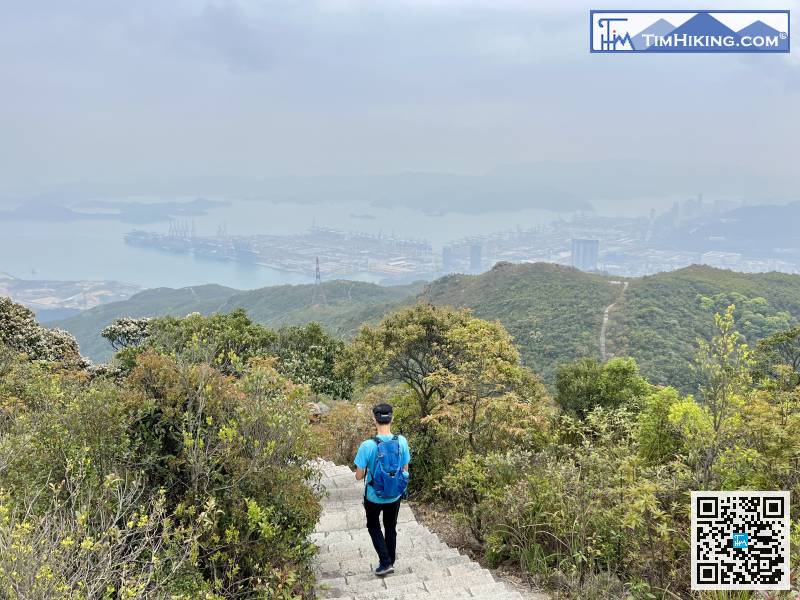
{"x":383,"y":413}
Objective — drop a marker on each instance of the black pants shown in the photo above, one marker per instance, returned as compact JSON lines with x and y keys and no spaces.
{"x":385,"y":545}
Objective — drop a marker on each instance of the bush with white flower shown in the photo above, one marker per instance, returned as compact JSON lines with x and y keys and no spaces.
{"x":20,"y":331}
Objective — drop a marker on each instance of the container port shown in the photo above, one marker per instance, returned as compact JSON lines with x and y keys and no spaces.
{"x":342,"y":254}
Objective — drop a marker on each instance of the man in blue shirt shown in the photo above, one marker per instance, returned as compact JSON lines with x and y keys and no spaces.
{"x":374,"y":505}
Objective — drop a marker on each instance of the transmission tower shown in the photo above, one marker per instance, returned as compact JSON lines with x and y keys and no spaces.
{"x":319,"y":291}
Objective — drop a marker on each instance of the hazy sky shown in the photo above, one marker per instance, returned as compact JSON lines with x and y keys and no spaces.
{"x":152,"y":89}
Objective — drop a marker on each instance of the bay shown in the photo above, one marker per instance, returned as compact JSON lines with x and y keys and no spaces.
{"x":95,"y":249}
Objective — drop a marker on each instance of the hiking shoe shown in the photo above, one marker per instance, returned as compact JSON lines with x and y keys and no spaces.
{"x":384,"y":571}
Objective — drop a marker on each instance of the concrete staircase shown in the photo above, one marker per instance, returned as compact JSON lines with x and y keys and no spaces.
{"x":425,"y":569}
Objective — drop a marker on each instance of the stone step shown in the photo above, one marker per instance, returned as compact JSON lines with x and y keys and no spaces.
{"x":497,"y":592}
{"x":365,"y":570}
{"x":333,"y":472}
{"x":365,"y":545}
{"x":353,"y":566}
{"x":341,"y":480}
{"x":355,"y":510}
{"x":394,"y":586}
{"x":409,"y":572}
{"x":354,"y":518}
{"x":425,"y":569}
{"x":361,"y":535}
{"x":409,"y":528}
{"x":492,"y":592}
{"x":353,"y":494}
{"x":352,"y":560}
{"x":347,"y":550}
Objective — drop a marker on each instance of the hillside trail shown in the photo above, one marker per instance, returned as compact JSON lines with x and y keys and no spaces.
{"x":606,"y":315}
{"x":426,"y":568}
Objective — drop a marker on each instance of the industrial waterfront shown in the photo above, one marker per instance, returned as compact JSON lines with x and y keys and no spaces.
{"x":340,"y":254}
{"x":631,"y":246}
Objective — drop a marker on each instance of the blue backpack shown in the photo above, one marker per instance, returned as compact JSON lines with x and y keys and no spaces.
{"x":388,"y":479}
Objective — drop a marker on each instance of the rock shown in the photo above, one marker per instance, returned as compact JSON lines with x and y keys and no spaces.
{"x":318,"y":410}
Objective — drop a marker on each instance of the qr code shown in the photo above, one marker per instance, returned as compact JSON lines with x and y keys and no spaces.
{"x":740,"y":540}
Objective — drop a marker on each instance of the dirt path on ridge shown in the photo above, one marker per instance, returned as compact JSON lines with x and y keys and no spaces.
{"x":606,"y":315}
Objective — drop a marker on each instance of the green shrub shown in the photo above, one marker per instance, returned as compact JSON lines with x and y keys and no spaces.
{"x":20,"y":332}
{"x":238,"y":448}
{"x":586,"y":384}
{"x":117,"y":541}
{"x":179,"y":481}
{"x":474,"y":480}
{"x":590,"y":510}
{"x":658,"y":438}
{"x":342,"y":430}
{"x":305,"y":354}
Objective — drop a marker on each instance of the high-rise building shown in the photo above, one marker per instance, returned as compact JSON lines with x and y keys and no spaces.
{"x":585,"y":254}
{"x":447,"y":260}
{"x":475,"y":258}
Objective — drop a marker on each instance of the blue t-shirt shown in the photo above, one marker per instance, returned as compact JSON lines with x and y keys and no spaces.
{"x":365,"y":459}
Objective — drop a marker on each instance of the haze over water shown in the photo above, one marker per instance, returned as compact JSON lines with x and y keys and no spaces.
{"x":150,"y":92}
{"x":96,"y":249}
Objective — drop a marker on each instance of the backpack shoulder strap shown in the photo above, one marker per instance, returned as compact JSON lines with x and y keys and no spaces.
{"x":395,"y":438}
{"x":377,"y":441}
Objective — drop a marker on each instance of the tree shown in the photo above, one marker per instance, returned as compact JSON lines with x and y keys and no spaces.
{"x":781,"y":349}
{"x":461,"y":387}
{"x":585,"y":384}
{"x":307,"y":354}
{"x":126,"y":332}
{"x":755,"y":317}
{"x":226,"y":341}
{"x":481,"y":384}
{"x":723,"y":366}
{"x":20,"y":331}
{"x":658,"y":438}
{"x":409,"y":346}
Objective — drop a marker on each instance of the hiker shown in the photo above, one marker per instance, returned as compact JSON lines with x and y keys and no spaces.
{"x":383,"y":460}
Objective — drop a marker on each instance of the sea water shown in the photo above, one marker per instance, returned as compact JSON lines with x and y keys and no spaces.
{"x":96,"y":250}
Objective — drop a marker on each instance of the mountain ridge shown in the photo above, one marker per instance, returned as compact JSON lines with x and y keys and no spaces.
{"x":345,"y":303}
{"x":555,"y":313}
